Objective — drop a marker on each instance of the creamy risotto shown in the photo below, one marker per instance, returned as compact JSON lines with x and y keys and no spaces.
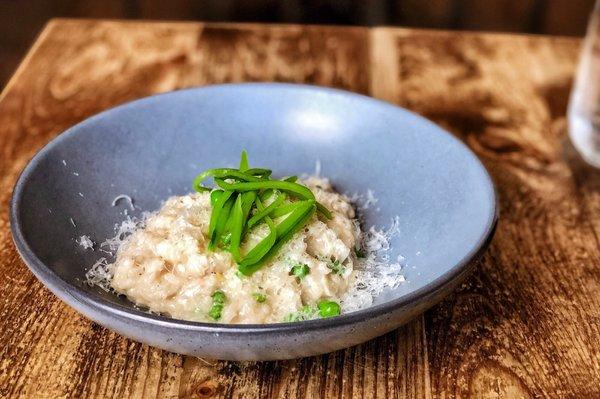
{"x":166,"y":266}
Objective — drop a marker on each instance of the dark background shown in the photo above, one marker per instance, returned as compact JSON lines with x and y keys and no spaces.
{"x":20,"y":21}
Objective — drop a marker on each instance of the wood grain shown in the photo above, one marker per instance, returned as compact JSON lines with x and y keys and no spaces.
{"x":526,"y":324}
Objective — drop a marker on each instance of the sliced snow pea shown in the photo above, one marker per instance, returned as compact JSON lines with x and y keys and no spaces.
{"x":295,"y":189}
{"x":262,"y":248}
{"x":251,"y":175}
{"x":237,"y":225}
{"x":258,"y":216}
{"x":248,"y":269}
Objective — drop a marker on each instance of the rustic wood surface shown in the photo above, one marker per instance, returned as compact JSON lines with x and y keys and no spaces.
{"x":526,"y":324}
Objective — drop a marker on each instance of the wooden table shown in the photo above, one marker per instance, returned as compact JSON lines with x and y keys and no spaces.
{"x":527,"y":322}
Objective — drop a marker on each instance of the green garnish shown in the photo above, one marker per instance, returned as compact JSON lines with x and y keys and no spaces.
{"x":294,"y":189}
{"x":258,"y":216}
{"x":260,"y":297}
{"x":283,"y":210}
{"x":225,"y":239}
{"x":237,"y":207}
{"x":325,"y":308}
{"x":328,"y":308}
{"x":359,"y":252}
{"x":240,"y":275}
{"x":249,"y":175}
{"x":305,"y":218}
{"x":300,"y":270}
{"x":244,"y":165}
{"x":262,"y":248}
{"x":218,"y":216}
{"x":219,"y":299}
{"x":303,"y":314}
{"x":214,"y":196}
{"x":237,"y":225}
{"x":336,"y":267}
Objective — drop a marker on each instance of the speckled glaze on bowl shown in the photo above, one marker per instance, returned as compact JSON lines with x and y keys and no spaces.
{"x":152,"y":148}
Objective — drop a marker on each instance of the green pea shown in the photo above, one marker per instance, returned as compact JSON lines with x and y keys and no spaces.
{"x":328,"y":308}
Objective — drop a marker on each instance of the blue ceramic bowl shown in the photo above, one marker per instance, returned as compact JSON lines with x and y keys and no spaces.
{"x":152,"y":148}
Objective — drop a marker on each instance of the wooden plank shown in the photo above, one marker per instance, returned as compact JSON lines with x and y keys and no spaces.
{"x":527,"y":323}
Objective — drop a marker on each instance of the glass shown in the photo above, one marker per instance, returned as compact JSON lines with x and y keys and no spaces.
{"x":584,"y":106}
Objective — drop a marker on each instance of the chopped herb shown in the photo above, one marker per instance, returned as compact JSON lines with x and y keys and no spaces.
{"x":336,"y":267}
{"x":259,"y":296}
{"x":240,"y":275}
{"x":305,"y":313}
{"x":300,"y":270}
{"x":359,"y":252}
{"x":328,"y":308}
{"x":219,"y":299}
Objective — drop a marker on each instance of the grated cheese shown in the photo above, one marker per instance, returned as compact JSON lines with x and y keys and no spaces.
{"x":361,"y":201}
{"x":100,"y":274}
{"x":86,"y":242}
{"x":374,"y":273}
{"x":123,"y":230}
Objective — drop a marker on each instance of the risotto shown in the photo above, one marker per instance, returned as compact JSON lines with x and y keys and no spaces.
{"x":166,"y":266}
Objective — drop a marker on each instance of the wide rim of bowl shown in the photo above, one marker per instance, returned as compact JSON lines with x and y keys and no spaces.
{"x":68,"y":292}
